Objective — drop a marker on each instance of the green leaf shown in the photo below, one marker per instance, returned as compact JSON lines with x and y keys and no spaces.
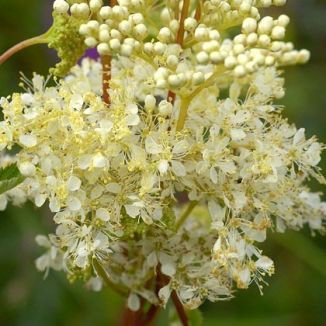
{"x":10,"y":177}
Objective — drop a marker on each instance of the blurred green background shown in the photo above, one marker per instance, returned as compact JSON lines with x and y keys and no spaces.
{"x":297,"y":292}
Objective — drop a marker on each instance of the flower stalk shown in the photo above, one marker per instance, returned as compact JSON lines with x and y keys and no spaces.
{"x":180,"y":37}
{"x":179,"y":309}
{"x":183,"y":113}
{"x":106,"y":78}
{"x":41,"y":39}
{"x":106,"y":67}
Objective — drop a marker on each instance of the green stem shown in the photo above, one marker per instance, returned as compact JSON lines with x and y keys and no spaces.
{"x":185,"y":214}
{"x":218,"y":72}
{"x":185,"y":101}
{"x":183,"y":113}
{"x":102,"y":273}
{"x":41,"y":39}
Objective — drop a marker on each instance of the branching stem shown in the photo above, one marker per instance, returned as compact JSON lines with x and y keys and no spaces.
{"x":185,"y":102}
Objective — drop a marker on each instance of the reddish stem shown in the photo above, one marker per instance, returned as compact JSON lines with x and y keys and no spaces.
{"x":151,"y":315}
{"x":198,"y":11}
{"x":179,"y":308}
{"x":171,"y":97}
{"x":131,"y":318}
{"x":180,"y":38}
{"x":106,"y":68}
{"x":106,"y":78}
{"x":184,"y":13}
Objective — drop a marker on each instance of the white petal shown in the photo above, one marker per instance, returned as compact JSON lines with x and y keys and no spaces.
{"x":103,"y":214}
{"x":244,"y":278}
{"x":132,"y":211}
{"x":264,"y":263}
{"x":73,"y":183}
{"x":178,"y":169}
{"x":95,"y":283}
{"x":132,"y":120}
{"x":240,"y":199}
{"x":216,"y":211}
{"x":115,"y":188}
{"x":299,"y":136}
{"x":237,"y":134}
{"x":133,"y":302}
{"x":180,"y":147}
{"x":99,"y":161}
{"x":42,"y":263}
{"x":40,"y":200}
{"x":28,"y":140}
{"x":163,"y":166}
{"x":152,"y":259}
{"x":101,"y":241}
{"x":132,"y":108}
{"x":164,"y":293}
{"x":54,"y":205}
{"x":168,"y":269}
{"x":27,"y":99}
{"x":227,"y":167}
{"x":313,"y":155}
{"x":152,"y":147}
{"x":73,"y":203}
{"x":76,"y":102}
{"x":85,"y":161}
{"x":217,"y":245}
{"x":27,"y":169}
{"x":42,"y":241}
{"x":213,"y":174}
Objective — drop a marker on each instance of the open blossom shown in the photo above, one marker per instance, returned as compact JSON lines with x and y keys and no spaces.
{"x":113,"y":175}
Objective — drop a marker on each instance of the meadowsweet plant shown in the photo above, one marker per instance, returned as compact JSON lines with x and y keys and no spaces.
{"x":166,"y":162}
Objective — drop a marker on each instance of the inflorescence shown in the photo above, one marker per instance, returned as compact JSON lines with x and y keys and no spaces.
{"x":186,"y":167}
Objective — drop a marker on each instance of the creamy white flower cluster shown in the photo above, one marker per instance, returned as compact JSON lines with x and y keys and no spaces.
{"x":147,"y":185}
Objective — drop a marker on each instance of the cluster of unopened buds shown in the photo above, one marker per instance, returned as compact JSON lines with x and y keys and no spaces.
{"x":167,"y":161}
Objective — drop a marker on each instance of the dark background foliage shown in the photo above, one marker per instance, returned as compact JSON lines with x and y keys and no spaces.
{"x":297,"y":292}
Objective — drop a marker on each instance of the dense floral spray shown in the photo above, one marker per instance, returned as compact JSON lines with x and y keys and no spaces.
{"x":166,"y":163}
